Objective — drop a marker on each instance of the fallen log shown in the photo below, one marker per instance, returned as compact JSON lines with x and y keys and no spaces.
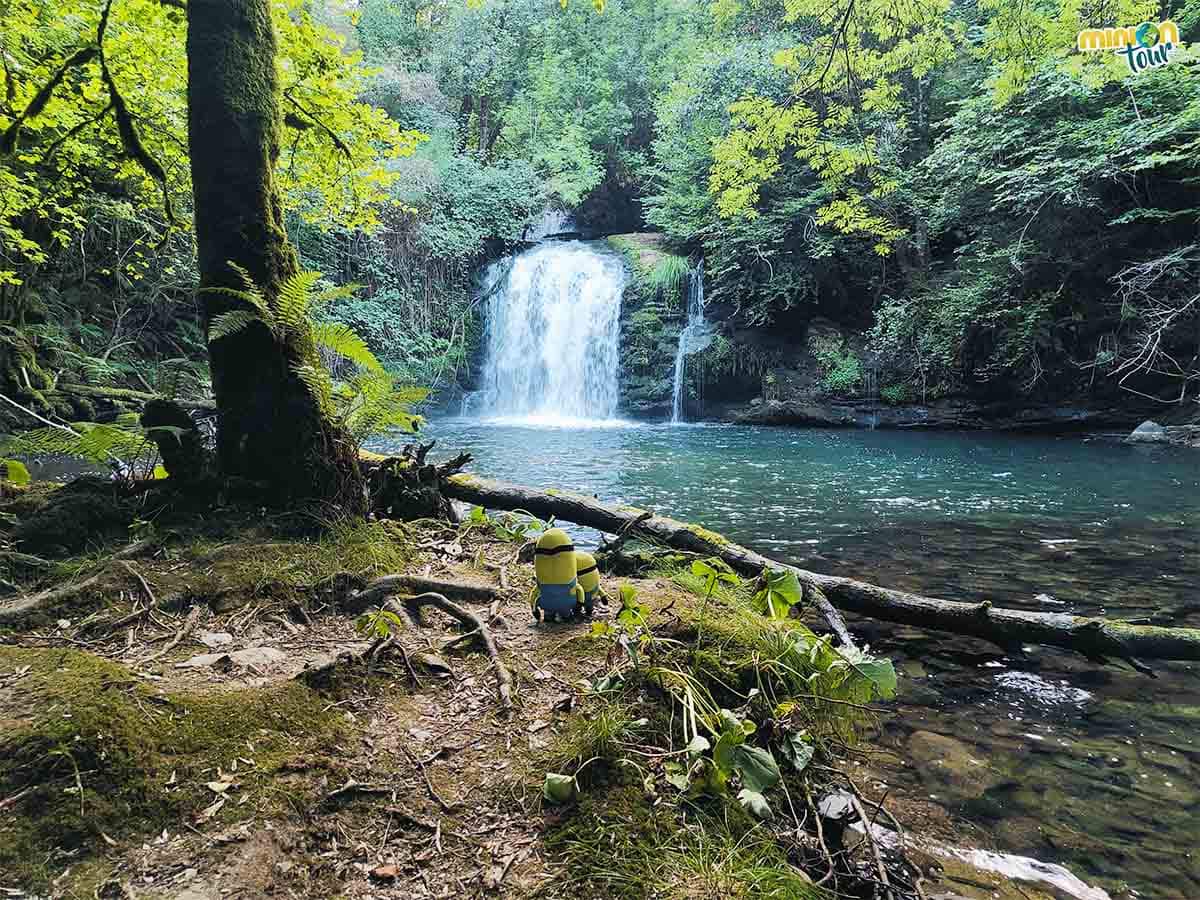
{"x":128,"y":396}
{"x":1094,"y":637}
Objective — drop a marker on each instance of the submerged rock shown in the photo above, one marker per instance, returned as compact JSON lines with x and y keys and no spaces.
{"x":946,"y":762}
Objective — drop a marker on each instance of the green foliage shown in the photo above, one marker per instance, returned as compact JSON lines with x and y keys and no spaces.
{"x":516,"y":526}
{"x":896,"y":394}
{"x":367,"y":400}
{"x":378,"y":624}
{"x":124,"y":446}
{"x":15,"y":472}
{"x":68,"y":152}
{"x":780,"y":592}
{"x":670,"y":276}
{"x":841,"y":371}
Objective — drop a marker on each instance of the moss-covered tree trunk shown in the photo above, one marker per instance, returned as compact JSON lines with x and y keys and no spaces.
{"x":269,"y":426}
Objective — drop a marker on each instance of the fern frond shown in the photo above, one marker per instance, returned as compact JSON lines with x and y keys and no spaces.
{"x":292,"y":302}
{"x":247,"y":280}
{"x":229,"y":323}
{"x":252,"y":298}
{"x":87,"y":441}
{"x":410,"y":394}
{"x":375,"y":404}
{"x":319,"y":383}
{"x":102,"y":442}
{"x":335,"y":293}
{"x":342,"y":340}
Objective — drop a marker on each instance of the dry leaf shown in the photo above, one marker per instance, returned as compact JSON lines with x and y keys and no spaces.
{"x":209,"y":811}
{"x":385,"y":873}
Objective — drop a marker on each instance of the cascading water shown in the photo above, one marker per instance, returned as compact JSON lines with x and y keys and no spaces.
{"x":696,"y":335}
{"x":553,"y":322}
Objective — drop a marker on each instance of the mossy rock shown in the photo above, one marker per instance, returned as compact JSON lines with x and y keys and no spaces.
{"x":142,"y":758}
{"x":82,"y":515}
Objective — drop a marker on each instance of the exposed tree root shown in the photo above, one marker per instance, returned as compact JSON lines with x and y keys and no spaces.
{"x":1096,"y":638}
{"x":389,"y":585}
{"x":476,"y":623}
{"x":15,"y":610}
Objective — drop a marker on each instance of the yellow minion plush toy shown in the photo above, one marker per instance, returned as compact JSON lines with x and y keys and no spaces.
{"x":557,"y":593}
{"x":589,"y":579}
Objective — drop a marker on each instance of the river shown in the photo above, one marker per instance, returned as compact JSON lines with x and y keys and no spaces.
{"x":1042,"y":754}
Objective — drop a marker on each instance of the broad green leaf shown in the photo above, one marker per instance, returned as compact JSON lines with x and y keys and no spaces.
{"x":797,"y":751}
{"x":698,"y":745}
{"x":882,"y":674}
{"x":677,"y":775}
{"x":559,"y":788}
{"x":784,"y":584}
{"x":756,"y":766}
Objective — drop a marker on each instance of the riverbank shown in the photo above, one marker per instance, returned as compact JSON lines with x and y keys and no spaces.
{"x":1049,"y":524}
{"x":201,"y":715}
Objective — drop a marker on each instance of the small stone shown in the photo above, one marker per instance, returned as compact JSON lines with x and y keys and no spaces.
{"x":215,"y":639}
{"x":258,"y":657}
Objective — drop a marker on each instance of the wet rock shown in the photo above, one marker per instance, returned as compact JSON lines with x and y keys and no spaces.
{"x":946,"y":762}
{"x":1148,"y":433}
{"x":913,"y":668}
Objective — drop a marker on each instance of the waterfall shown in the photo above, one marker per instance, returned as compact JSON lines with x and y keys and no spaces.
{"x":551,"y":336}
{"x":695,"y":336}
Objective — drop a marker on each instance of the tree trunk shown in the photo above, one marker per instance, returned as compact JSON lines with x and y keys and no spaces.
{"x":1095,"y":638}
{"x":269,"y":425}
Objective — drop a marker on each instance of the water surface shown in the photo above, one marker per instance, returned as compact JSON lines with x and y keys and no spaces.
{"x":1049,"y":756}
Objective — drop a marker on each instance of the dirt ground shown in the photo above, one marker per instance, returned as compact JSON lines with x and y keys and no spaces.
{"x":429,"y":789}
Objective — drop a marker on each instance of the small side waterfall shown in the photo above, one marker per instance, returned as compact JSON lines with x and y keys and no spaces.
{"x":696,"y":335}
{"x":551,"y":336}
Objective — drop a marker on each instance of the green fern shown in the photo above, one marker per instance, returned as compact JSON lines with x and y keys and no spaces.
{"x":232,"y":322}
{"x":85,"y":440}
{"x":345,"y":342}
{"x":319,"y":383}
{"x":292,"y":305}
{"x":365,"y":402}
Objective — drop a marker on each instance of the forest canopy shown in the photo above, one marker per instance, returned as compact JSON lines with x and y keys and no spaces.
{"x":994,"y":209}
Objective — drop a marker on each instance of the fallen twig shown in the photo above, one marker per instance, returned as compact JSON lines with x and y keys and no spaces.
{"x":189,"y":624}
{"x":142,"y":581}
{"x":446,"y":807}
{"x":356,"y":787}
{"x":870,"y":836}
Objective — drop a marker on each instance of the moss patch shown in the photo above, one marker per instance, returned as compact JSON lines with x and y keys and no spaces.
{"x":69,"y":719}
{"x":85,"y":514}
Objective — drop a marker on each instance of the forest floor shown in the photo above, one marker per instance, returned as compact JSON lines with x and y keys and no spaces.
{"x":183,"y":728}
